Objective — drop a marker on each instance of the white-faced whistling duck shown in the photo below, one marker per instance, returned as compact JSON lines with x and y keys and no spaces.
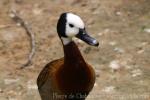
{"x":70,"y":77}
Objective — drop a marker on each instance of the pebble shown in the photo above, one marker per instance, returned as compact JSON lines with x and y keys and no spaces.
{"x":114,"y":65}
{"x":95,"y":85}
{"x":1,"y":91}
{"x":112,"y":43}
{"x":11,"y":15}
{"x":119,"y":50}
{"x":141,"y":47}
{"x":144,"y":43}
{"x":136,"y":72}
{"x":118,"y":13}
{"x":140,"y":51}
{"x":147,"y":30}
{"x":37,"y":11}
{"x":107,"y":30}
{"x":97,"y":73}
{"x":100,"y":34}
{"x":108,"y":89}
{"x":10,"y":81}
{"x":12,"y":93}
{"x":128,"y":67}
{"x":31,"y":85}
{"x":18,"y":24}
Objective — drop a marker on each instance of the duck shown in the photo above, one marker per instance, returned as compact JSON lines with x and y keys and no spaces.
{"x":69,"y":77}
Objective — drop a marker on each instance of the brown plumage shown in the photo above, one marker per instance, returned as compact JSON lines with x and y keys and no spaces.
{"x":68,"y":78}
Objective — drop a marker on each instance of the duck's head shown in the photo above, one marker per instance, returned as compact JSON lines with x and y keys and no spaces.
{"x":70,"y":25}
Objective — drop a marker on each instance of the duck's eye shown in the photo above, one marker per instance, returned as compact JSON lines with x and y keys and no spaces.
{"x":71,"y":25}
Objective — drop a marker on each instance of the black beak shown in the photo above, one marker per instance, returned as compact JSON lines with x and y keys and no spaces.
{"x":86,"y":38}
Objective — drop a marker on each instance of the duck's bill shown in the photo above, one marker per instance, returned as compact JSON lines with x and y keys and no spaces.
{"x":86,"y":38}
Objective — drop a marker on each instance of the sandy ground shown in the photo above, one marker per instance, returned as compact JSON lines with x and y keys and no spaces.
{"x":121,"y":26}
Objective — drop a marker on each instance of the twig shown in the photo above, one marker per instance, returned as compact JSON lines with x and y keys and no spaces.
{"x":25,"y":25}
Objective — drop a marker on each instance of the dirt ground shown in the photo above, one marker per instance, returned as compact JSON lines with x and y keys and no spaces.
{"x":121,"y":62}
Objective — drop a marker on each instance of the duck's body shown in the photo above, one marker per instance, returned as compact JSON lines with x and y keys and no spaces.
{"x":70,"y":75}
{"x":68,"y":78}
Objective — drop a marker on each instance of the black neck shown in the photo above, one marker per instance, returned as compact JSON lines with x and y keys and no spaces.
{"x":72,"y":53}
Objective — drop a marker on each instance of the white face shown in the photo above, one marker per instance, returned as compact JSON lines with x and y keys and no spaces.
{"x":73,"y":24}
{"x":74,"y":27}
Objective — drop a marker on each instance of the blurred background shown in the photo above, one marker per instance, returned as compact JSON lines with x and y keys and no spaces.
{"x":121,"y":62}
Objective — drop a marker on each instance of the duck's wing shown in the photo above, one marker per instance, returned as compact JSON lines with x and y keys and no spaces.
{"x":43,"y":76}
{"x":46,"y":79}
{"x":46,"y":73}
